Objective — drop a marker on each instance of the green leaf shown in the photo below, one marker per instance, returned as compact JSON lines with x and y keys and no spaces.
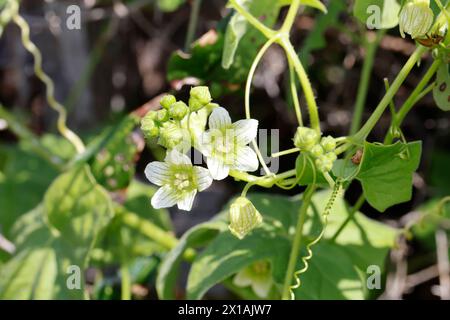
{"x":307,"y":173}
{"x":362,"y":243}
{"x":77,"y":207}
{"x":169,"y":269}
{"x":310,"y":3}
{"x":114,"y":164}
{"x":382,"y":13}
{"x":25,"y":178}
{"x":386,"y":173}
{"x":238,"y":27}
{"x":441,"y":91}
{"x":170,"y":5}
{"x":226,"y":255}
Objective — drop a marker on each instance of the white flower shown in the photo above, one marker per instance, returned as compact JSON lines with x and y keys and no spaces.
{"x":258,"y":276}
{"x":179,"y":181}
{"x":225,"y":144}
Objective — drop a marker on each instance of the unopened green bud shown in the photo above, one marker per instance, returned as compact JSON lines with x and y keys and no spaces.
{"x":179,"y":110}
{"x":149,"y":127}
{"x":328,"y":143}
{"x":162,"y":115}
{"x":243,"y":217}
{"x":331,"y":156}
{"x":171,"y":135}
{"x":324,"y":164}
{"x":416,"y":18}
{"x":306,"y":138}
{"x":317,"y":151}
{"x":200,"y":97}
{"x":167,"y":101}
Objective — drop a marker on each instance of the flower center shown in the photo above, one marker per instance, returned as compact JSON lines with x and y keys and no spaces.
{"x":181,"y":181}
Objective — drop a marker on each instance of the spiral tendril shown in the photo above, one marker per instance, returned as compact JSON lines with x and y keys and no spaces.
{"x":309,"y":254}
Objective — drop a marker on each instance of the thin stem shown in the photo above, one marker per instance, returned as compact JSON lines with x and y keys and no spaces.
{"x":285,"y":153}
{"x":304,"y":81}
{"x":290,"y":18}
{"x":296,"y":245}
{"x":155,"y":233}
{"x":371,"y":46}
{"x":269,"y":33}
{"x":412,"y":99}
{"x":53,"y":103}
{"x":384,"y":103}
{"x":359,"y":203}
{"x":248,"y":88}
{"x":265,"y":182}
{"x":193,"y":20}
{"x":294,"y":92}
{"x":125,"y":280}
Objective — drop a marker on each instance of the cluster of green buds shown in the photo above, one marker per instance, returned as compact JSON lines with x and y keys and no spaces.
{"x":322,"y":149}
{"x":244,"y":217}
{"x":416,"y":18}
{"x":167,"y":123}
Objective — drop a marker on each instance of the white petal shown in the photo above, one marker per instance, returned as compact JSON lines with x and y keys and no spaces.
{"x":218,"y":169}
{"x":220,"y":118}
{"x":165,"y":197}
{"x":205,"y":144}
{"x":262,"y":287}
{"x":245,"y":130}
{"x":157,"y":172}
{"x":187,"y":202}
{"x":246,"y":159}
{"x":177,"y":158}
{"x":204,"y":179}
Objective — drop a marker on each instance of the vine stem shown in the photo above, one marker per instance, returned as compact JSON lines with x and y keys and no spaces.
{"x":50,"y":89}
{"x":193,"y":20}
{"x":296,"y":245}
{"x":362,"y":134}
{"x":371,"y":46}
{"x":294,"y":93}
{"x":412,"y":99}
{"x":304,"y":81}
{"x":290,"y":18}
{"x":268,"y":33}
{"x":125,"y":280}
{"x":248,"y":88}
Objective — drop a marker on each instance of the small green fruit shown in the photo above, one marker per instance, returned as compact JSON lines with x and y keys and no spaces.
{"x":179,"y":110}
{"x":200,"y":97}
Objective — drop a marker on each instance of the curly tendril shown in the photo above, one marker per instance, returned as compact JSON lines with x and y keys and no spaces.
{"x":50,"y":88}
{"x":309,"y":254}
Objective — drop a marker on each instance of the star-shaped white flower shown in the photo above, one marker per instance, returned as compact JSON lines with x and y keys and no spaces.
{"x":179,"y":181}
{"x":225,"y":144}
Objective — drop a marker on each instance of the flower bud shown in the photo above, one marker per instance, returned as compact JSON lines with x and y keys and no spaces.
{"x":200,"y":97}
{"x":167,"y":101}
{"x":331,"y":156}
{"x":328,"y":143}
{"x":162,"y":115}
{"x":171,"y":136}
{"x":324,"y":164}
{"x":317,"y":151}
{"x":416,"y":18}
{"x":148,"y":125}
{"x":306,"y":138}
{"x":243,"y":217}
{"x":179,"y":110}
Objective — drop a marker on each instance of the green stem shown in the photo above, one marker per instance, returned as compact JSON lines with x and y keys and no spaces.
{"x":296,"y":245}
{"x":362,"y":134}
{"x":268,"y":33}
{"x":359,"y":203}
{"x":265,"y":182}
{"x":304,"y":81}
{"x":294,"y":92}
{"x":285,"y":153}
{"x":290,"y":18}
{"x":412,"y":99}
{"x":193,"y":20}
{"x":155,"y":233}
{"x":371,"y":46}
{"x":125,"y":282}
